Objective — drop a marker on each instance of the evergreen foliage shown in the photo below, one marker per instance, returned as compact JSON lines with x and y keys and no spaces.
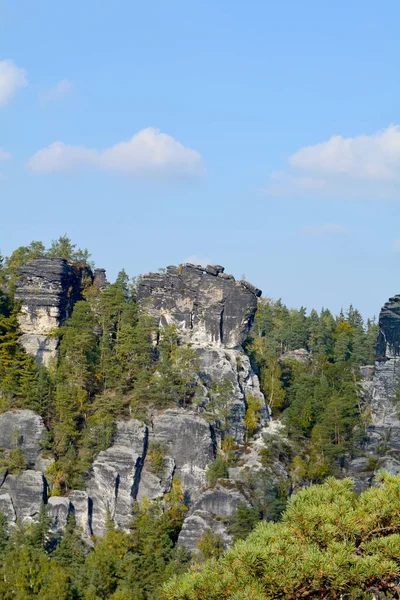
{"x":331,"y":543}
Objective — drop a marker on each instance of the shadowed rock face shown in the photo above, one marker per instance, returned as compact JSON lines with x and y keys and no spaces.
{"x":47,"y":289}
{"x":380,"y":387}
{"x":206,"y":305}
{"x":388,"y":345}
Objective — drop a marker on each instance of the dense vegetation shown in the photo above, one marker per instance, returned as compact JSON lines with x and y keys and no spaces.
{"x":122,"y":566}
{"x":108,"y":367}
{"x":331,"y":543}
{"x":318,"y":398}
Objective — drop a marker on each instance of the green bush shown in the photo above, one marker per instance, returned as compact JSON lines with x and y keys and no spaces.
{"x":217,"y":470}
{"x":330,"y":544}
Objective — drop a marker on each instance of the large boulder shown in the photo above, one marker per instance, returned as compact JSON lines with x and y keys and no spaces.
{"x":24,"y":429}
{"x":27,"y":491}
{"x":211,"y":512}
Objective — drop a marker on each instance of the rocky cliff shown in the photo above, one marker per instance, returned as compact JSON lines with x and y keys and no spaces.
{"x":381,"y":449}
{"x":213,"y":313}
{"x":47,"y":289}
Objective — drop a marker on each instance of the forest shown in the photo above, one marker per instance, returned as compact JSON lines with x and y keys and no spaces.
{"x":109,"y":368}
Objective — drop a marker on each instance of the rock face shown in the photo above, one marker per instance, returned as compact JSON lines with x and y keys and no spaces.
{"x":47,"y":289}
{"x":114,"y":484}
{"x":24,"y":494}
{"x":24,"y":429}
{"x":188,"y":439}
{"x":214,"y":313}
{"x":206,"y":305}
{"x":208,"y":514}
{"x":382,"y":448}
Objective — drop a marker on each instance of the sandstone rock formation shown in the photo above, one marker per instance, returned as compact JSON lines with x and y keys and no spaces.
{"x":114,"y":484}
{"x":24,"y":429}
{"x":208,"y":514}
{"x":382,"y":448}
{"x":214,"y":313}
{"x":206,"y":305}
{"x":47,"y":289}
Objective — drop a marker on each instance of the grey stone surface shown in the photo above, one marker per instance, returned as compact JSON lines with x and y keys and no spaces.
{"x":210,"y":512}
{"x":81,"y":506}
{"x":188,"y":439}
{"x":58,"y":510}
{"x":7,"y":507}
{"x":223,"y":363}
{"x":115,"y":478}
{"x":24,"y":429}
{"x":207,"y":308}
{"x":219,"y":501}
{"x":152,"y":486}
{"x":300,"y":355}
{"x":27,"y":492}
{"x":47,"y":289}
{"x":379,"y":386}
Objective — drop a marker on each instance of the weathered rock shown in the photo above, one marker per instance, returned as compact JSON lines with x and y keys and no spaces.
{"x":47,"y":289}
{"x":7,"y":508}
{"x":27,"y":492}
{"x":151,"y":486}
{"x":24,"y":429}
{"x":114,"y":484}
{"x":58,"y":510}
{"x":220,"y":501}
{"x":100,"y":279}
{"x":220,"y":363}
{"x":388,"y":345}
{"x":205,"y":307}
{"x":210,"y":512}
{"x":81,"y":506}
{"x":188,"y":439}
{"x":214,"y":312}
{"x":193,"y":529}
{"x":382,"y":448}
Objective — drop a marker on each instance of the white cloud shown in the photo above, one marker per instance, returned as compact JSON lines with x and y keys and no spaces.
{"x":4,"y":155}
{"x":56,"y":92}
{"x":11,"y":78}
{"x":364,"y":165}
{"x":149,"y":152}
{"x":60,"y":157}
{"x":197,"y":260}
{"x":396,"y":245}
{"x":325,"y":229}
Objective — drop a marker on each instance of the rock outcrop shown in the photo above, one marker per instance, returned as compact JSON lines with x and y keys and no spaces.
{"x":189,"y":441}
{"x":381,"y":450}
{"x":24,"y":429}
{"x":114,"y":484}
{"x":214,"y":313}
{"x":208,"y":514}
{"x":206,"y":305}
{"x":47,"y":289}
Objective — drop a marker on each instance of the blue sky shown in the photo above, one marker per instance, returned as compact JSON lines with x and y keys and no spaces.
{"x":259,"y":135}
